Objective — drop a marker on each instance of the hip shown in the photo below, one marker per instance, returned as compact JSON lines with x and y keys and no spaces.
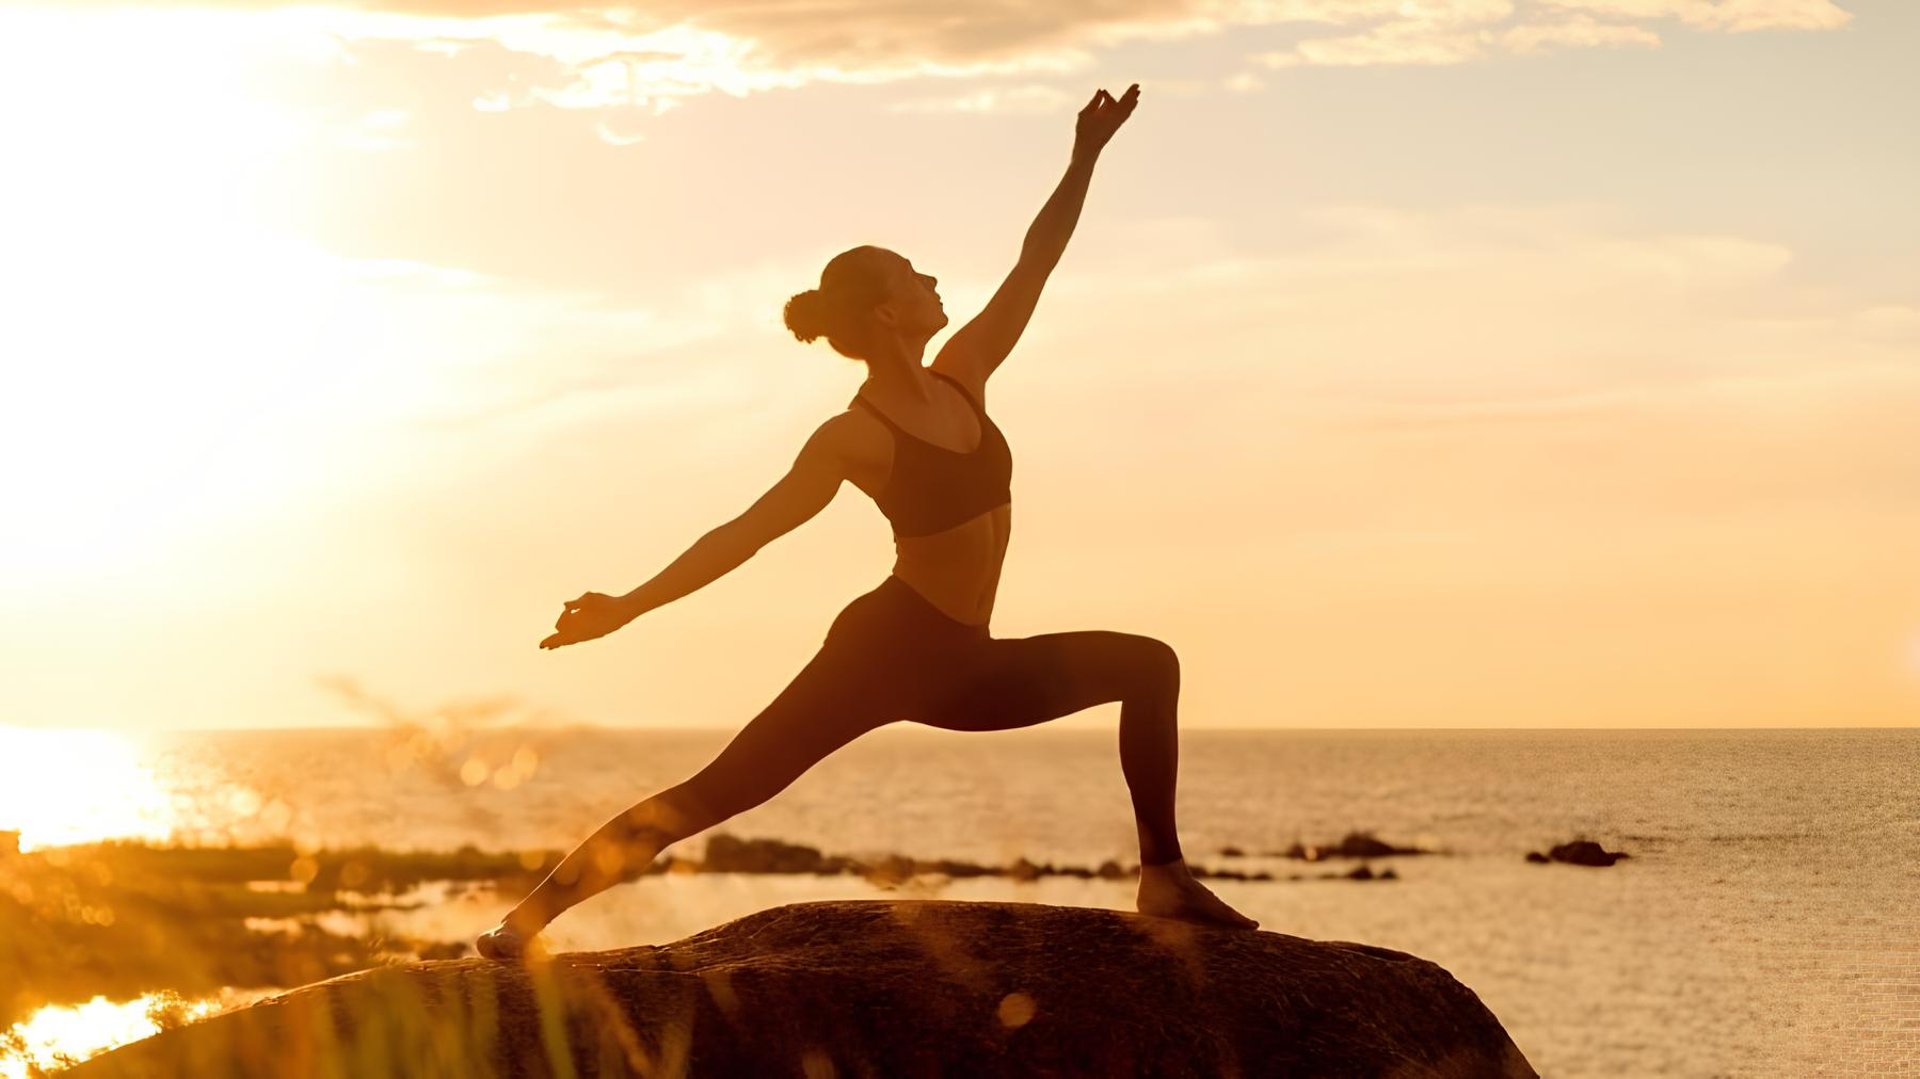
{"x":895,"y":614}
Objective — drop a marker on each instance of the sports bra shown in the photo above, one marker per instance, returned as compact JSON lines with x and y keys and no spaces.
{"x":932,"y":488}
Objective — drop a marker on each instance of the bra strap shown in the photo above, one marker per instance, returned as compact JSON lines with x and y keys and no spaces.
{"x":964,"y":392}
{"x":860,"y":399}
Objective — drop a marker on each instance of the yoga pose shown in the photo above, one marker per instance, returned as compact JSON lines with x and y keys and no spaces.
{"x":917,"y":439}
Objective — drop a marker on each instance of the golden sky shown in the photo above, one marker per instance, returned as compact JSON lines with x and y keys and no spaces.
{"x":1416,"y":363}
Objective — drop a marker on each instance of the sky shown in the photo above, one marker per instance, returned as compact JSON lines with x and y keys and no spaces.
{"x":1415,"y":363}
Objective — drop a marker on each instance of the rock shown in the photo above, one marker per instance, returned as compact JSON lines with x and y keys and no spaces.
{"x":953,"y":867}
{"x":877,"y":988}
{"x":1232,"y":852}
{"x":1365,"y":845}
{"x":1351,"y":845}
{"x":729,"y":854}
{"x":1584,"y":852}
{"x":1536,"y":856}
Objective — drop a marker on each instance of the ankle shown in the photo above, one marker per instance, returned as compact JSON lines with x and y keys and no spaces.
{"x":523,"y":924}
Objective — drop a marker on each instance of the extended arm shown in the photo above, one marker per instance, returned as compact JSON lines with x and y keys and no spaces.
{"x":803,"y":492}
{"x":979,"y":347}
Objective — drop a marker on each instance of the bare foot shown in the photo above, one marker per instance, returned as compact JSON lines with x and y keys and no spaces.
{"x":502,"y":944}
{"x":1169,"y":891}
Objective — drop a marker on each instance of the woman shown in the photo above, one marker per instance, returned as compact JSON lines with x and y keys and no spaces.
{"x":918,"y":441}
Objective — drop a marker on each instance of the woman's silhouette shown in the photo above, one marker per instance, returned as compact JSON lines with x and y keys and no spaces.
{"x":917,"y":646}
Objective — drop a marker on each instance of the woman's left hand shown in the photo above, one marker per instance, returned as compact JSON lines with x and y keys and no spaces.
{"x":592,"y":615}
{"x":1102,"y":117}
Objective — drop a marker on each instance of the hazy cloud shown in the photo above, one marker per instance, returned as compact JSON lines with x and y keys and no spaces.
{"x":1033,"y":98}
{"x":1731,"y":15}
{"x":656,"y":54}
{"x":1579,"y":32}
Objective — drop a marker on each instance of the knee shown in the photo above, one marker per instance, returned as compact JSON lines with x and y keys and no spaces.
{"x":1158,"y":665}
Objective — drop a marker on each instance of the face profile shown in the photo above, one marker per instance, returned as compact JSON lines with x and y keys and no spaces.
{"x":913,"y":301}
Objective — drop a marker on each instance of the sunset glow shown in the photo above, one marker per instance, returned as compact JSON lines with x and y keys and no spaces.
{"x":1446,"y":487}
{"x":61,"y":787}
{"x":352,"y":340}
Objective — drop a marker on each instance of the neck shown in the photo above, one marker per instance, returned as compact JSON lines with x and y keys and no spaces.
{"x":895,"y":369}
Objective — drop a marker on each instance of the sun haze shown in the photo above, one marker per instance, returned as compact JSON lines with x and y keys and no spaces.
{"x":1419,"y":365}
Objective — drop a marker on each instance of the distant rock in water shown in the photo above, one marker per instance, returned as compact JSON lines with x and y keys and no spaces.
{"x":876,"y":988}
{"x":1578,"y":852}
{"x":730,"y":854}
{"x":1352,"y":845}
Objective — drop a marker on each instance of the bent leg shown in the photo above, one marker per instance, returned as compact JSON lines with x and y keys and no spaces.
{"x":1021,"y":681}
{"x":827,"y":705}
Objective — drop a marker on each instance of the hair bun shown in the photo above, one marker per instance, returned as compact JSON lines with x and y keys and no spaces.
{"x":805,"y":317}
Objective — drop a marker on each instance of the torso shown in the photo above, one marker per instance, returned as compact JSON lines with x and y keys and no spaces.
{"x":956,"y":569}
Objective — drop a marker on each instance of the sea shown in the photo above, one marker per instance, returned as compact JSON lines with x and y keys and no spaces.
{"x":1766,"y":921}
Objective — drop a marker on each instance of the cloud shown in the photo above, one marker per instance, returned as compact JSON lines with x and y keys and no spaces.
{"x":1436,"y":32}
{"x":1576,"y":33}
{"x":1009,"y":99}
{"x":1730,"y":15}
{"x":1497,"y":312}
{"x":381,"y":129}
{"x":666,"y":51}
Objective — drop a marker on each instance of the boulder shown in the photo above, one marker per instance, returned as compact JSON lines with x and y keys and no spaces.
{"x":875,"y":988}
{"x":1585,"y":852}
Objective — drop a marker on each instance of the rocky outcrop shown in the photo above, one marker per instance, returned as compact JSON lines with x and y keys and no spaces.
{"x":1351,"y":845}
{"x":870,"y":988}
{"x":1578,"y":852}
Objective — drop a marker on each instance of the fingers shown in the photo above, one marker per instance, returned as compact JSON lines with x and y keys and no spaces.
{"x":1101,"y":99}
{"x":585,"y":597}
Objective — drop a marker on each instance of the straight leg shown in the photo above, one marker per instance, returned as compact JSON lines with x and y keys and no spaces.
{"x":829,"y":703}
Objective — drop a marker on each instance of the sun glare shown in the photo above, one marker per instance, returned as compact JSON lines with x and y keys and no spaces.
{"x":66,"y":786}
{"x":159,"y":336}
{"x":79,"y":1031}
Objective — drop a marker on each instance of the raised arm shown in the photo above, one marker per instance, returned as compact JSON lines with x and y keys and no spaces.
{"x":804,"y":491}
{"x":978,"y":348}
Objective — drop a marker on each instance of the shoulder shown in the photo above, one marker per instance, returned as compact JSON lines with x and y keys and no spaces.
{"x":855,"y":437}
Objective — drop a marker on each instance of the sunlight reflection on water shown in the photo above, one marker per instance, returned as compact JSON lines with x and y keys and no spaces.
{"x":60,"y":1033}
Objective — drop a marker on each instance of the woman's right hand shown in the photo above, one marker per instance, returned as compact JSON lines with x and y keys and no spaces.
{"x":592,"y":615}
{"x":1101,"y":118}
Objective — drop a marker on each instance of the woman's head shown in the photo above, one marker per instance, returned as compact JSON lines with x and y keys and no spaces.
{"x":868,"y":298}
